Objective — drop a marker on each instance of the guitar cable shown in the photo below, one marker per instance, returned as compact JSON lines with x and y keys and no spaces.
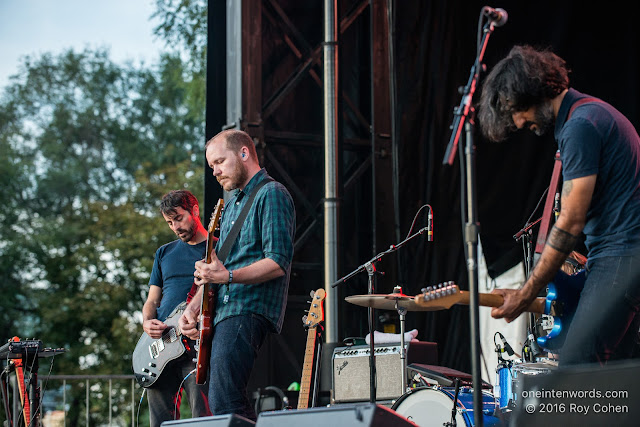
{"x":144,"y":390}
{"x":175,"y":401}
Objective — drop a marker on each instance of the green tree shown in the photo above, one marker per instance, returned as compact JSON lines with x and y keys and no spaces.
{"x":87,"y":148}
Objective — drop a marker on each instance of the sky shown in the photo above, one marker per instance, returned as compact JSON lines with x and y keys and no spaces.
{"x":33,"y":27}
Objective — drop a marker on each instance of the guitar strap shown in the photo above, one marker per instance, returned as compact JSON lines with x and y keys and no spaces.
{"x":545,"y":223}
{"x":554,"y":186}
{"x":235,"y":230}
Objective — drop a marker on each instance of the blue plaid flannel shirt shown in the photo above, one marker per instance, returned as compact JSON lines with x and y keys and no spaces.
{"x":267,"y":232}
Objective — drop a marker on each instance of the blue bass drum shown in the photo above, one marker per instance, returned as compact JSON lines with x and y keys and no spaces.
{"x":432,"y":406}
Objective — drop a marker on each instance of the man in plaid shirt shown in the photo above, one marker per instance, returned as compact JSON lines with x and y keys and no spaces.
{"x":254,"y":280}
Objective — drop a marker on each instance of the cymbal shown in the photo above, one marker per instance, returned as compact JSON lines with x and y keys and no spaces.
{"x":387,"y":302}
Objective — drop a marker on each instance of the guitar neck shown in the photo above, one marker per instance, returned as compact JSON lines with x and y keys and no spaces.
{"x":307,"y":369}
{"x":495,"y":300}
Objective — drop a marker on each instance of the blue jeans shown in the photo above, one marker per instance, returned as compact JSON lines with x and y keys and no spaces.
{"x":164,"y":396}
{"x":606,"y":322}
{"x":236,"y":341}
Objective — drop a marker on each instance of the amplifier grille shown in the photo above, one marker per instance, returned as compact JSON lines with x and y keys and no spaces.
{"x":351,"y":373}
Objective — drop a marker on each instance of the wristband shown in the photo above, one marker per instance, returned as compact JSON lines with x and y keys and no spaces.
{"x":230,"y":276}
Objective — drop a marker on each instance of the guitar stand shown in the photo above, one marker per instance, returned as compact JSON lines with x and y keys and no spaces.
{"x":30,"y":363}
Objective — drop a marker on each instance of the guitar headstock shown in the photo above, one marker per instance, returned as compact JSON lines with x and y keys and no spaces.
{"x":215,"y":216}
{"x":442,"y":296}
{"x":316,"y":313}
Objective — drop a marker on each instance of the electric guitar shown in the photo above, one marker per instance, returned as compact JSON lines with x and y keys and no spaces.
{"x":151,"y":355}
{"x":561,"y":301}
{"x":207,"y":306}
{"x":311,"y":321}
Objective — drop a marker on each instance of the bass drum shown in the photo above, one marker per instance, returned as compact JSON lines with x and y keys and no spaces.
{"x":432,"y":406}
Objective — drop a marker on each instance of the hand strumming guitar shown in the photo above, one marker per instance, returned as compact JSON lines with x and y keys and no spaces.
{"x":188,"y":322}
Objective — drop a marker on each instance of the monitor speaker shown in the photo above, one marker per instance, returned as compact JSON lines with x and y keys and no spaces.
{"x":229,"y":420}
{"x":357,"y":415}
{"x":585,"y":395}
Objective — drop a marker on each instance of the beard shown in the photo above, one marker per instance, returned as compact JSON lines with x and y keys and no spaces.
{"x":544,"y":118}
{"x":186,"y":234}
{"x":236,"y":179}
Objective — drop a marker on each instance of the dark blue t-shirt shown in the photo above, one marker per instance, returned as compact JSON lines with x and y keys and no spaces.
{"x":598,"y":139}
{"x":172,"y":271}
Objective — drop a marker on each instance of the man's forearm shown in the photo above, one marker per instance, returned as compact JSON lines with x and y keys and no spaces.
{"x":149,"y":311}
{"x":559,"y":244}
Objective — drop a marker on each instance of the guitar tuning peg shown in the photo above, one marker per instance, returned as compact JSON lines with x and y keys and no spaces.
{"x":312,"y":294}
{"x":304,"y":319}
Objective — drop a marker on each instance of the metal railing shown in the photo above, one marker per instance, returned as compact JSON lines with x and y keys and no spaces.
{"x":97,"y":382}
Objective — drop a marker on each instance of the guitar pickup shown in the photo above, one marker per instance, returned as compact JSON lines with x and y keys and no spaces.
{"x":156,"y":348}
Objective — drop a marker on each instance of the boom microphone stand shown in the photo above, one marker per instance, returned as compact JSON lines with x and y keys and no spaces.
{"x":370,"y":267}
{"x":464,"y":119}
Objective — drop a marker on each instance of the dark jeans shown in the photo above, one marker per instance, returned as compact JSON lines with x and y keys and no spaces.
{"x":236,"y":341}
{"x":164,"y":396}
{"x":606,"y":322}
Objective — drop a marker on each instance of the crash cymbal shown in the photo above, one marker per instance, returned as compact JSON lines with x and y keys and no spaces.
{"x":386,"y":301}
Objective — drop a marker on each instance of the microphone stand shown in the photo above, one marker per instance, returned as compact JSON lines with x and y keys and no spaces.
{"x":370,"y":267}
{"x":464,"y":118}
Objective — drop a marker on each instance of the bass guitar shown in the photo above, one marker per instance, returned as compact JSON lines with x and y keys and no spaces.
{"x":561,"y":301}
{"x":207,"y":306}
{"x":311,"y":322}
{"x":151,"y":355}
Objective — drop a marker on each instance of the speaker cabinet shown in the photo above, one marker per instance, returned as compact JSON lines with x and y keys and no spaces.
{"x":357,"y":415}
{"x":351,"y":370}
{"x":229,"y":420}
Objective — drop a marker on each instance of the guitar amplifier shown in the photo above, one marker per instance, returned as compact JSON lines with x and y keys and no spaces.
{"x":351,"y":374}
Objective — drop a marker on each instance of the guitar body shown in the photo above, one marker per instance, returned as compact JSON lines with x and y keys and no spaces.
{"x":207,"y":310}
{"x":152,"y":355}
{"x":563,"y":294}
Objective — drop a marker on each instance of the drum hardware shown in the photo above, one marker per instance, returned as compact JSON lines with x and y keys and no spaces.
{"x":454,"y":410}
{"x":370,"y":268}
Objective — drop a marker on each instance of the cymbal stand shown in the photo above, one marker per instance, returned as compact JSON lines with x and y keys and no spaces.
{"x":402,"y":312}
{"x":370,"y":268}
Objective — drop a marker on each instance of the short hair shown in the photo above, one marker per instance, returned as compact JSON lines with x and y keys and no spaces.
{"x":235,"y":139}
{"x":525,"y":78}
{"x":177,"y":199}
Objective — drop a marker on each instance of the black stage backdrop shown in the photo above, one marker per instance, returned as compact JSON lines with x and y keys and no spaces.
{"x":435,"y":45}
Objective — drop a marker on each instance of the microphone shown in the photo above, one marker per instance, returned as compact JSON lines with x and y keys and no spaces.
{"x":506,"y":345}
{"x":498,"y":16}
{"x":556,"y":205}
{"x":430,"y":226}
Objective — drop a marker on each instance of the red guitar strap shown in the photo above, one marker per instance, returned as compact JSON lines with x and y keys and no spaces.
{"x":554,"y":186}
{"x":545,"y":223}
